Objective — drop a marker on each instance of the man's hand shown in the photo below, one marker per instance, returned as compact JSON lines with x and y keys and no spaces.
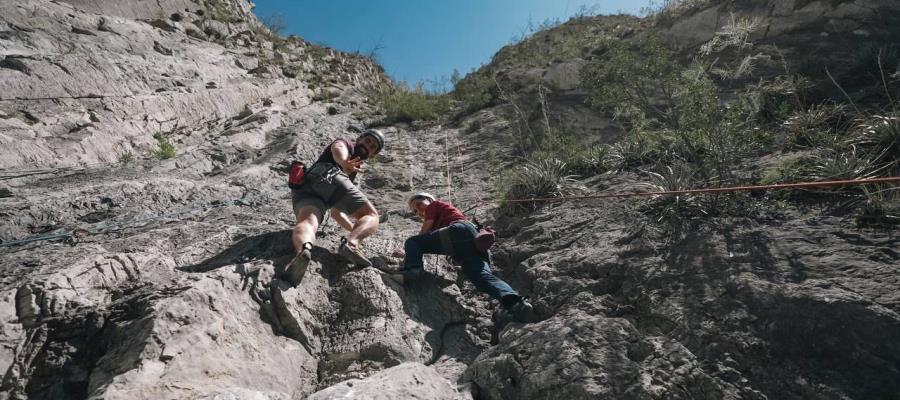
{"x":341,"y":154}
{"x":426,"y":226}
{"x":352,"y":165}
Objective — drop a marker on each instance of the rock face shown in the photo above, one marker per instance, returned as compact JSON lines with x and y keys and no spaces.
{"x":797,"y":311}
{"x":174,"y":294}
{"x":80,"y":87}
{"x":541,"y":73}
{"x":405,"y":381}
{"x":802,"y":25}
{"x":163,"y":279}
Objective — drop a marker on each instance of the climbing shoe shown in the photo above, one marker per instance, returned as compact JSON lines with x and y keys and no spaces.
{"x":522,"y":312}
{"x":351,"y":253}
{"x":296,"y":269}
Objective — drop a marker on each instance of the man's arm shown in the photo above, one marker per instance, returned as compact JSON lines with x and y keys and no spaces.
{"x":341,"y":154}
{"x":341,"y":219}
{"x":426,"y":226}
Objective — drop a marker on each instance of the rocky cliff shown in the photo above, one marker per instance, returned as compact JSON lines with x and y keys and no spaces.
{"x":148,"y":143}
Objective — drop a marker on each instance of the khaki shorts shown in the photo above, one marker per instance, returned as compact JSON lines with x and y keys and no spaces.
{"x":344,"y":195}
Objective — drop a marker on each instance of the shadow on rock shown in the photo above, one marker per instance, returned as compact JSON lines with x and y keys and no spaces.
{"x":427,"y":301}
{"x":273,"y":246}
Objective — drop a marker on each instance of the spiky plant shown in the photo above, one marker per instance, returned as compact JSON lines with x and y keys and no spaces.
{"x":673,"y":208}
{"x":878,"y":206}
{"x":880,"y":136}
{"x":634,"y":150}
{"x":539,"y":179}
{"x":593,"y":160}
{"x":839,"y":165}
{"x":166,"y":149}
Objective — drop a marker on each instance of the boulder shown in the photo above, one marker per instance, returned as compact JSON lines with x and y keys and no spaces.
{"x":405,"y":381}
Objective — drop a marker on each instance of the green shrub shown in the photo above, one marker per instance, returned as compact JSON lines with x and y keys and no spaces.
{"x":879,"y":206}
{"x":880,"y":137}
{"x":220,"y":11}
{"x":126,"y":158}
{"x":166,"y":149}
{"x":818,"y":126}
{"x":860,"y":68}
{"x":628,"y":78}
{"x":673,"y":208}
{"x":666,"y":11}
{"x":672,"y":112}
{"x":829,"y":165}
{"x":591,"y":160}
{"x":536,"y":179}
{"x":581,"y":159}
{"x":474,"y":92}
{"x":789,"y":171}
{"x":637,"y":149}
{"x":275,"y":23}
{"x":473,"y":126}
{"x":402,"y":103}
{"x":839,"y":165}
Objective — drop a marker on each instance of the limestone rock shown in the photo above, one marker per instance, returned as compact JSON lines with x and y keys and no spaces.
{"x":564,"y":76}
{"x":405,"y":381}
{"x":159,"y":275}
{"x":575,"y":355}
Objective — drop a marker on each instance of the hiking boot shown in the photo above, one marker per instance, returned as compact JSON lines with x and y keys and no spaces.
{"x":522,"y":312}
{"x":296,"y":269}
{"x":351,"y":253}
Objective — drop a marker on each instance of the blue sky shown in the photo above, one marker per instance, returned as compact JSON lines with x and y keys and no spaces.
{"x":423,"y":40}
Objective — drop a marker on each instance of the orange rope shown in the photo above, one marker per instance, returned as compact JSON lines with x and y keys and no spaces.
{"x":447,"y":160}
{"x":780,"y":186}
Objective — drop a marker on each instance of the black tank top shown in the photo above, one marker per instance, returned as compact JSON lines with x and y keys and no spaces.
{"x":328,"y":157}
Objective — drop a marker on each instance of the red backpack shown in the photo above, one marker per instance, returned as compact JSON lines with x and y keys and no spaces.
{"x":486,"y":236}
{"x":297,"y":175}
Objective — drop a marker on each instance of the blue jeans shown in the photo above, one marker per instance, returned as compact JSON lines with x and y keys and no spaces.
{"x":474,"y":263}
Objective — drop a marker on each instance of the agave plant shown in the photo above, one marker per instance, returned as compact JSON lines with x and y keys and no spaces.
{"x":673,"y":207}
{"x":816,"y":126}
{"x":632,"y":151}
{"x":594,"y":160}
{"x":838,"y":165}
{"x":547,"y":177}
{"x":880,"y":135}
{"x":878,"y":206}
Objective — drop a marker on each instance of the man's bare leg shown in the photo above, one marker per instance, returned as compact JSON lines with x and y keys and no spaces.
{"x":304,"y":232}
{"x":341,"y":219}
{"x":306,"y":227}
{"x":366,"y":223}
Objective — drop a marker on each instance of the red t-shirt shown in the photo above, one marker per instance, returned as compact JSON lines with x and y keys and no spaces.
{"x":443,"y":214}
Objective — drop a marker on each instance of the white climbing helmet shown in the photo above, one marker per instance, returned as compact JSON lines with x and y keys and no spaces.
{"x":419,"y":196}
{"x":378,"y":136}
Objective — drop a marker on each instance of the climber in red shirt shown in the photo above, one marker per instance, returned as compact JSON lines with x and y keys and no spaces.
{"x":445,"y":230}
